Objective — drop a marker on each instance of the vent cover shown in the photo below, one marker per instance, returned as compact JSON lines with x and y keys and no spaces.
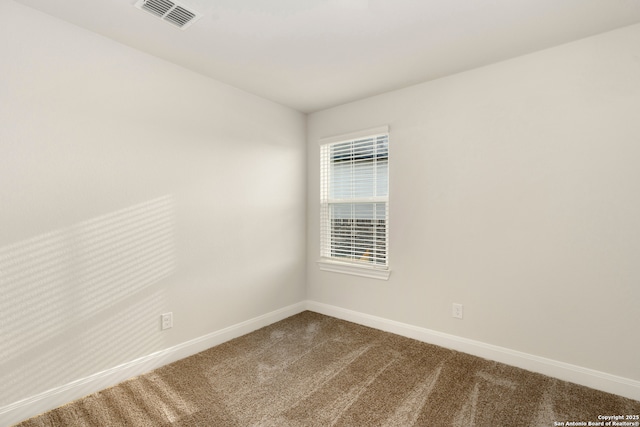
{"x":170,"y":11}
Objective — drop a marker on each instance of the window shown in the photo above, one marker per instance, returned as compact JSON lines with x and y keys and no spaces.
{"x":354,"y":203}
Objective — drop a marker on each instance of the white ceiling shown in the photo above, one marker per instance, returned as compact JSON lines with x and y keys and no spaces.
{"x":315,"y":54}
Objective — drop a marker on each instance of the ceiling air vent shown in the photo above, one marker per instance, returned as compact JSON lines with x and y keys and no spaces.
{"x":170,"y":11}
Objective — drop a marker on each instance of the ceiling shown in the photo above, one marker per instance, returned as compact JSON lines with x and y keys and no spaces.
{"x":315,"y":54}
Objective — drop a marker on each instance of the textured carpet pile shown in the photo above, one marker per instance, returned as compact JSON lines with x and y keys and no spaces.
{"x":314,"y":370}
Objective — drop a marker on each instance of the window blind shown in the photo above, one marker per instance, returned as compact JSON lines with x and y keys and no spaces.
{"x":355,"y":200}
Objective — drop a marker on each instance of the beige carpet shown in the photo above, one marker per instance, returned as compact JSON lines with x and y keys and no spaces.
{"x":314,"y":370}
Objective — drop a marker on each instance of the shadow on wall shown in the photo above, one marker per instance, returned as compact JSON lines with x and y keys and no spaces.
{"x":84,"y":298}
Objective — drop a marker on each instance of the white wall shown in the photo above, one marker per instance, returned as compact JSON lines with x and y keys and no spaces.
{"x":514,"y":190}
{"x":130,"y":187}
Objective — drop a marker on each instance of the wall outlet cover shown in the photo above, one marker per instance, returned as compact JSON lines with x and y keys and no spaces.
{"x":457,"y":311}
{"x":167,"y":320}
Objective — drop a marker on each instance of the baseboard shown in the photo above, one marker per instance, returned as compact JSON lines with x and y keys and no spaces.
{"x":55,"y":397}
{"x":58,"y":396}
{"x":565,"y":371}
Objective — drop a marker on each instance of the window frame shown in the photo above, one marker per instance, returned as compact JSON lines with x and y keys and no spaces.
{"x":352,"y":267}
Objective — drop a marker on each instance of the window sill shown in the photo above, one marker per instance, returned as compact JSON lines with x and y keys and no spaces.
{"x":354,"y":269}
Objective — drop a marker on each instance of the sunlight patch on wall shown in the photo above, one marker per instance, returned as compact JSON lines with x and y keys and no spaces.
{"x":82,"y":299}
{"x":83,"y":350}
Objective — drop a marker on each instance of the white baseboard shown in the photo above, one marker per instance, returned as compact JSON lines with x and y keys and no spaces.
{"x":58,"y":396}
{"x":55,"y":397}
{"x":564,"y":371}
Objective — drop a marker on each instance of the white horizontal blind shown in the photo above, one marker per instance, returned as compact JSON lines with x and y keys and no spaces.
{"x":355,"y":200}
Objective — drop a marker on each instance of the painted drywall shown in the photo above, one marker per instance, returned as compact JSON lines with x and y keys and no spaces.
{"x":515,"y":191}
{"x":130,"y":187}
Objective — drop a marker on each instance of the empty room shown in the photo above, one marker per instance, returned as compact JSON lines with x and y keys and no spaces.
{"x":319,"y":213}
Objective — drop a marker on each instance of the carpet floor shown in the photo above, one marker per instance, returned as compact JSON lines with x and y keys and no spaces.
{"x":315,"y":370}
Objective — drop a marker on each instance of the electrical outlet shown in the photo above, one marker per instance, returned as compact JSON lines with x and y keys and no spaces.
{"x":457,"y":311}
{"x":167,"y":320}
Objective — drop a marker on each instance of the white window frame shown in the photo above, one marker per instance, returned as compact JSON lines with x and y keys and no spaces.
{"x":337,"y":265}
